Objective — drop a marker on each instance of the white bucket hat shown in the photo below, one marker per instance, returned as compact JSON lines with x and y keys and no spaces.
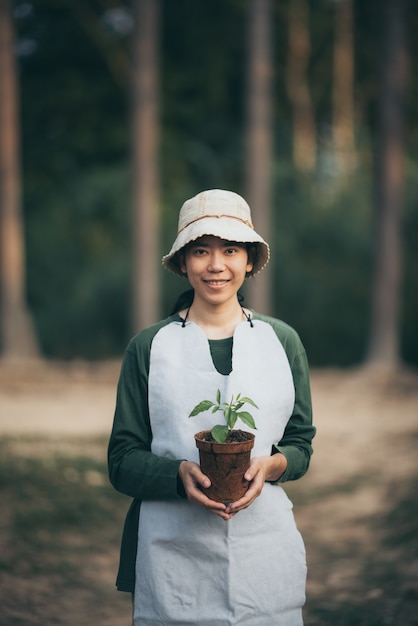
{"x":222,"y":214}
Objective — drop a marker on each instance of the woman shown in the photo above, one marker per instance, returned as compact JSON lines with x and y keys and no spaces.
{"x":186,"y":558}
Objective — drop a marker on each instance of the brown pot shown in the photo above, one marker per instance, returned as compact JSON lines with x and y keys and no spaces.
{"x":225,"y":464}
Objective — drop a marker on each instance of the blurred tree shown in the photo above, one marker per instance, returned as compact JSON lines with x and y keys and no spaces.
{"x":138,"y":73}
{"x":343,"y":88}
{"x":74,"y":63}
{"x":384,"y":346}
{"x":145,"y":79}
{"x":299,"y":48}
{"x":76,"y":195}
{"x":259,"y":133}
{"x":17,"y":334}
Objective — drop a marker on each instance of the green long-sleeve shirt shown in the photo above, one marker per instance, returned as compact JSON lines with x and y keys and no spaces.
{"x":135,"y":471}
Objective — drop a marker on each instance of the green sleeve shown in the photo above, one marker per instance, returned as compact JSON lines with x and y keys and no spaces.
{"x":133,"y":469}
{"x":296,"y":443}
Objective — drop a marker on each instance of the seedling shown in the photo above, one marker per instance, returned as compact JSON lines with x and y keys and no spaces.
{"x":231,"y":412}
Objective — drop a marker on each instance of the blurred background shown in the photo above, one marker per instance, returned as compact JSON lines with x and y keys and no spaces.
{"x":115,"y":112}
{"x":112,"y":114}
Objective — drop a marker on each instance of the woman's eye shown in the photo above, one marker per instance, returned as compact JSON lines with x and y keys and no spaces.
{"x":230,"y":250}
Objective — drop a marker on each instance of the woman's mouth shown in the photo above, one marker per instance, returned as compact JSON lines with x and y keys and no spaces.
{"x":216,"y":283}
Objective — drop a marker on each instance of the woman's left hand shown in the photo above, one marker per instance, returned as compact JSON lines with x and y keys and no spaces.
{"x":262,"y":468}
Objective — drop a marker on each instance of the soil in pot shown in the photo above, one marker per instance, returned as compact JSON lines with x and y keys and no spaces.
{"x":225,"y":464}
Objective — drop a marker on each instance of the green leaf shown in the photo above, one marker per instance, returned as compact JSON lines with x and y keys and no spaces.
{"x":205,"y":405}
{"x":219,"y":433}
{"x":238,"y":405}
{"x":233,"y":416}
{"x":249,"y":401}
{"x":218,"y":396}
{"x":247,"y":418}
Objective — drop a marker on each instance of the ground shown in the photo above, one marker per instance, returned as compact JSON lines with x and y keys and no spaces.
{"x":61,"y":522}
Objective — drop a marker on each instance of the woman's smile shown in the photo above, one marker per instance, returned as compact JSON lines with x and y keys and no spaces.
{"x":215,"y":283}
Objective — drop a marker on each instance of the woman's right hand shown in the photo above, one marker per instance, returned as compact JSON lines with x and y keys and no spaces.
{"x":193,"y":478}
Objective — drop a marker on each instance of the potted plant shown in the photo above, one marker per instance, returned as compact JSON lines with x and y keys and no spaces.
{"x":224,"y":453}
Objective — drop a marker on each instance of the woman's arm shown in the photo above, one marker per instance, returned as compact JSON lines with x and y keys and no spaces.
{"x":296,"y":443}
{"x":133,"y":469}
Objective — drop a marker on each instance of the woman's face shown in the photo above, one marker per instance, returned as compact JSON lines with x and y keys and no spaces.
{"x":215,"y":268}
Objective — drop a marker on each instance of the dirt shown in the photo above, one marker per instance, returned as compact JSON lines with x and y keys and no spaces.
{"x":234,"y":436}
{"x":364,"y":456}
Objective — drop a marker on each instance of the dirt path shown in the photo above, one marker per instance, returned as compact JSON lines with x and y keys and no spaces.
{"x":364,"y":450}
{"x":53,"y":399}
{"x":365,"y":457}
{"x":363,"y":419}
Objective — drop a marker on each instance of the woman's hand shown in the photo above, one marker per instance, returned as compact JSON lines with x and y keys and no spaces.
{"x":193,"y":478}
{"x":261,"y":468}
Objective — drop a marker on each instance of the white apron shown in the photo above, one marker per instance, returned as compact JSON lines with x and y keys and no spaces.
{"x":193,"y":568}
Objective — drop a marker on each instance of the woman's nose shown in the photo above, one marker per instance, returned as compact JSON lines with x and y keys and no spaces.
{"x":216,"y":262}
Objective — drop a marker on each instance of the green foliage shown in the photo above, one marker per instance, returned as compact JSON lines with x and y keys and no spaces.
{"x":231,"y":412}
{"x":76,"y":147}
{"x":79,"y":285}
{"x":321,"y":263}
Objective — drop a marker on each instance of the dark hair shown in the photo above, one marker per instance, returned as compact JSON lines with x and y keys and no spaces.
{"x":185,"y":300}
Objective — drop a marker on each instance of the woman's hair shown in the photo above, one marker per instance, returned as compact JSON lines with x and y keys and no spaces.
{"x":185,"y":300}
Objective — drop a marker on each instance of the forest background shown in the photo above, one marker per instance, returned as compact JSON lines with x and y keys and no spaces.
{"x":77,"y":135}
{"x":112,"y":113}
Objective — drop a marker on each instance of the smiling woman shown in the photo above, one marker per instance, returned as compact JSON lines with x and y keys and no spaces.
{"x":216,"y":269}
{"x":180,"y":559}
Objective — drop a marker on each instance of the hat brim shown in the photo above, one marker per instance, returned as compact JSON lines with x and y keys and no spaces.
{"x":228,"y":229}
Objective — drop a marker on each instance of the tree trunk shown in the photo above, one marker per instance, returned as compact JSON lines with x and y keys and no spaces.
{"x":145,"y":168}
{"x":304,"y":131}
{"x":343,"y":88}
{"x":17,"y":335}
{"x":259,"y":133}
{"x":384,"y":349}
